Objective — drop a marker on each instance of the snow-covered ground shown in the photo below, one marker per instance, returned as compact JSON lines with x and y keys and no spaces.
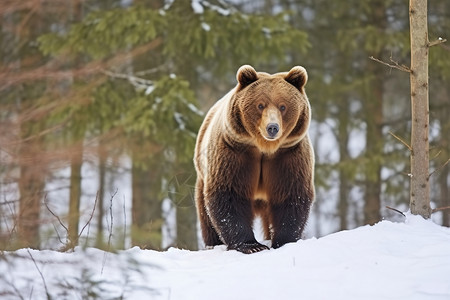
{"x":409,"y":260}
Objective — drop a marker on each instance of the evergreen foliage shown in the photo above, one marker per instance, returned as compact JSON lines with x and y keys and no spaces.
{"x":131,"y":84}
{"x":96,"y":81}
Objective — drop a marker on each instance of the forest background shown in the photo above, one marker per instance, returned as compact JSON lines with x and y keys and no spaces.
{"x":100,"y":102}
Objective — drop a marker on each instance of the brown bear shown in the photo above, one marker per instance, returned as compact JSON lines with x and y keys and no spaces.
{"x":253,"y":157}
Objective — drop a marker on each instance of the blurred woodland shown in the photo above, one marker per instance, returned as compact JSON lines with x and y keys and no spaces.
{"x":101,"y":100}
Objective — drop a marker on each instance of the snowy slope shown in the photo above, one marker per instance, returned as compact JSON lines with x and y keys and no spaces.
{"x":408,"y":260}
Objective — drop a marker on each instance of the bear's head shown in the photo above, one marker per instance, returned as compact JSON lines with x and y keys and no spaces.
{"x":270,"y":111}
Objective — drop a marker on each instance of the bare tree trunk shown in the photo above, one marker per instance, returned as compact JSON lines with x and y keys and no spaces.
{"x":146,"y":228}
{"x":344,"y":157}
{"x":186,"y":221}
{"x":101,"y":194}
{"x":374,"y":147}
{"x":31,"y":187}
{"x":374,"y":120}
{"x":76,"y":158}
{"x":420,"y":188}
{"x":75,"y":194}
{"x":445,"y":195}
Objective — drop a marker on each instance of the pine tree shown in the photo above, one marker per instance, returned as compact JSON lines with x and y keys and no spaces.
{"x":148,"y":100}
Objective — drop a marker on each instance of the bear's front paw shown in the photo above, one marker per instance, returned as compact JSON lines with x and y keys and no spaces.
{"x":249,"y":247}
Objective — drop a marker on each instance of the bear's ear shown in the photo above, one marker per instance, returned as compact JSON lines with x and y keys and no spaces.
{"x":298,"y":77}
{"x":246,"y":75}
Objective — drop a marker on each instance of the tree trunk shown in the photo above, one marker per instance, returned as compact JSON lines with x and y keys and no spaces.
{"x":183,"y":197}
{"x":374,"y":146}
{"x":344,"y":158}
{"x":101,"y":194}
{"x":75,"y":194}
{"x":187,"y":227}
{"x":31,"y":187}
{"x":374,"y":120}
{"x":146,"y":228}
{"x":76,"y":157}
{"x":420,"y":188}
{"x":445,"y":195}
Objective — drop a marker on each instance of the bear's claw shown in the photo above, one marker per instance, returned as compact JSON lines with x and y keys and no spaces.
{"x":249,"y":247}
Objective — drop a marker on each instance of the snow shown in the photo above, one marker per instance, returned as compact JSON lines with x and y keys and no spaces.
{"x":220,"y":10}
{"x":206,"y":26}
{"x":197,"y":7}
{"x":179,"y":119}
{"x":149,"y":90}
{"x":409,"y":260}
{"x":194,"y":109}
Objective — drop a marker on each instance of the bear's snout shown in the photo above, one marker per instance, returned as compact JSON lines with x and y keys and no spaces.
{"x":272,"y":129}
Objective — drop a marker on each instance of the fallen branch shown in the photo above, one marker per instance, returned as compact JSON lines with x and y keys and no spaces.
{"x":395,"y":64}
{"x":396,"y":210}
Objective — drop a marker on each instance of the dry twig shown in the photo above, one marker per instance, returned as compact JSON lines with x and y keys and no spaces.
{"x":401,"y":140}
{"x":110,"y":227}
{"x":395,"y":64}
{"x":53,"y":214}
{"x":396,"y":210}
{"x":92,"y":214}
{"x":446,"y":163}
{"x":439,"y":209}
{"x":40,"y":273}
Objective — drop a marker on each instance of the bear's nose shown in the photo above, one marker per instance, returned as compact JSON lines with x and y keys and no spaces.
{"x":272,"y":129}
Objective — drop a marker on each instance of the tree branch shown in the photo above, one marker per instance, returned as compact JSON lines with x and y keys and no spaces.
{"x":396,"y":210}
{"x":434,"y":157}
{"x":436,"y":42}
{"x":439,"y":209}
{"x":50,"y":70}
{"x":90,"y":218}
{"x":131,"y":78}
{"x":40,"y":273}
{"x":395,"y":64}
{"x":53,"y":214}
{"x":446,"y":163}
{"x":110,"y":228}
{"x":401,"y":141}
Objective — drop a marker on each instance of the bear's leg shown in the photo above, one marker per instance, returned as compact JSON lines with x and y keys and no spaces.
{"x":232,"y":216}
{"x":209,"y":234}
{"x":288,"y":220}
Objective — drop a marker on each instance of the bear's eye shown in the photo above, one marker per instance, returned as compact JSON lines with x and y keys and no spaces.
{"x":282,"y":108}
{"x":261,"y":106}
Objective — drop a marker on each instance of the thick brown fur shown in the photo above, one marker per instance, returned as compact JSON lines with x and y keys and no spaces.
{"x":253,"y":157}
